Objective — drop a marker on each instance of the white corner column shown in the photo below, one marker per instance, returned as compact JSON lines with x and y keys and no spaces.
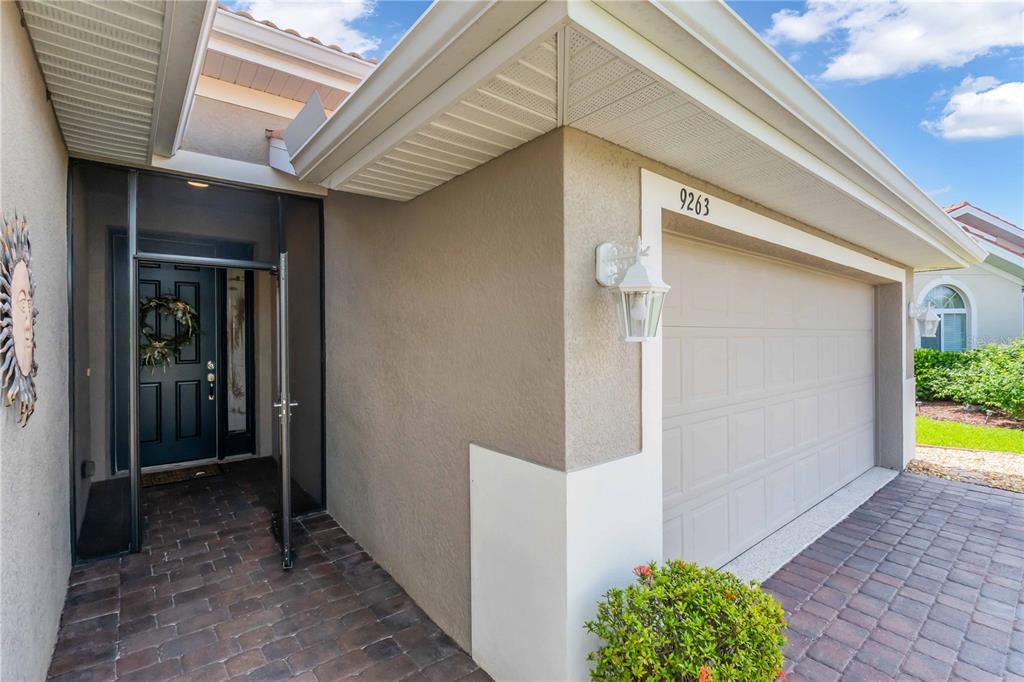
{"x":545,"y":546}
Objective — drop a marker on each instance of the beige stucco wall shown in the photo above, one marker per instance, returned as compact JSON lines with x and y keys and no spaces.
{"x":34,"y":498}
{"x":998,"y":305}
{"x":470,"y":315}
{"x":444,"y":327}
{"x":229,"y":130}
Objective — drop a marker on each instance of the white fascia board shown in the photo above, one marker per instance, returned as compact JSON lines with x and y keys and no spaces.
{"x":741,"y":65}
{"x":445,"y":39}
{"x":186,"y":30}
{"x":284,"y":44}
{"x":536,"y":28}
{"x":206,"y":166}
{"x":1003,"y":260}
{"x":248,"y":52}
{"x":995,"y":222}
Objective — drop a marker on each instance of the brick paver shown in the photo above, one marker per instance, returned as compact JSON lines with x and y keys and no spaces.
{"x":923,"y":581}
{"x":207,"y":599}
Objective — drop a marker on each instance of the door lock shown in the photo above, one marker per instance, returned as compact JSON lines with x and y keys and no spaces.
{"x":210,"y":364}
{"x":211,"y":377}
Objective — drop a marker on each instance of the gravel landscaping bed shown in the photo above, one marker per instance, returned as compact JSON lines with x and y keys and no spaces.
{"x":1004,"y":470}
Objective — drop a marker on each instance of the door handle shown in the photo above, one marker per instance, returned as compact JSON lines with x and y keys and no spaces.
{"x":282,"y":411}
{"x":210,"y":379}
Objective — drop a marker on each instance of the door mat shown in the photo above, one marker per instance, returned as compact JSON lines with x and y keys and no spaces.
{"x":179,"y":475}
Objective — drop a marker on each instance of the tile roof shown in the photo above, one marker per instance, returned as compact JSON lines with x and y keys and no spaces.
{"x":959,"y":205}
{"x":295,"y":33}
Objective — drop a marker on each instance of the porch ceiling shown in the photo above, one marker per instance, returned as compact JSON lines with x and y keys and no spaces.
{"x":583,"y":68}
{"x":117,"y":73}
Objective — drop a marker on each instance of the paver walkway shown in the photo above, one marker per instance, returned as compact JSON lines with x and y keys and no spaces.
{"x":207,"y":600}
{"x":923,"y":581}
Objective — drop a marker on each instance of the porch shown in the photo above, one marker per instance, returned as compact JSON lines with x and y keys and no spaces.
{"x":206,"y":598}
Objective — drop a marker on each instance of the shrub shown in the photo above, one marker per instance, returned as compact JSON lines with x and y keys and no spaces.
{"x":684,"y":622}
{"x":989,"y":376}
{"x":935,"y":372}
{"x":993,"y":377}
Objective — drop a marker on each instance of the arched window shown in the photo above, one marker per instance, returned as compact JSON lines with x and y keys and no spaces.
{"x":952,"y":309}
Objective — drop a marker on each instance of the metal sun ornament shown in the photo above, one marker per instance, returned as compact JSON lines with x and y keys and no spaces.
{"x":18,"y":314}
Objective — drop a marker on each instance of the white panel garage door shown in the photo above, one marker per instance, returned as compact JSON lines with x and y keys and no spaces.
{"x":769,"y":395}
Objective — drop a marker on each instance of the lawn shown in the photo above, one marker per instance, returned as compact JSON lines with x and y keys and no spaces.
{"x":950,"y":434}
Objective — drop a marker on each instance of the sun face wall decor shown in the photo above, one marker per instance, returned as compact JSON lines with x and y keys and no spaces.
{"x":17,"y":318}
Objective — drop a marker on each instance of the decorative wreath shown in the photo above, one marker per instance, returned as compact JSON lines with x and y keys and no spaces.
{"x":18,"y":314}
{"x":159,"y":350}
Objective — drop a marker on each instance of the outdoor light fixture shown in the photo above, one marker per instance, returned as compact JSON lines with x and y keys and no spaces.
{"x":640,"y":295}
{"x":198,"y":183}
{"x":927,"y":317}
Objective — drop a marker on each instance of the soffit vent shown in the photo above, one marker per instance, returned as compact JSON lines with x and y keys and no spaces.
{"x":100,"y":63}
{"x":516,"y":105}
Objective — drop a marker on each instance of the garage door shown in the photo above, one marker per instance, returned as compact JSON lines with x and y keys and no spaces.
{"x":768,"y":395}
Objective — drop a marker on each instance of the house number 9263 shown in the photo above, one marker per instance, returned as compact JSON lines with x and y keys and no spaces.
{"x":698,"y":204}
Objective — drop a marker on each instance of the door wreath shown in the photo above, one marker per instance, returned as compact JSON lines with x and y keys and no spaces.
{"x":159,"y":350}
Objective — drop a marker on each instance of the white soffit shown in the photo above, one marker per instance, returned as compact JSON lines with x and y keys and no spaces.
{"x":622,"y":88}
{"x":117,"y":72}
{"x":518,"y":104}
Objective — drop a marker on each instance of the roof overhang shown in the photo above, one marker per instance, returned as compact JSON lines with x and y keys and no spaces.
{"x":686,"y":84}
{"x":120,"y":76}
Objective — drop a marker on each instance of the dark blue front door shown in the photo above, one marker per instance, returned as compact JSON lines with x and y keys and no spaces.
{"x":178,"y":402}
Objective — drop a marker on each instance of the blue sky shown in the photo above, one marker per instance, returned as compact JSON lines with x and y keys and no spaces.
{"x":938,"y":87}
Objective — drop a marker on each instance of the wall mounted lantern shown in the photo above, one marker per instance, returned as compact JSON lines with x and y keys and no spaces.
{"x":640,"y":295}
{"x":927,"y":318}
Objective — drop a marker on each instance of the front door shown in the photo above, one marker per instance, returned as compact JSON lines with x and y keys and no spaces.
{"x":178,"y":397}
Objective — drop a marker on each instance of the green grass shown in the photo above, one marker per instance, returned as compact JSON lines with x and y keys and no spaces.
{"x":968,"y":436}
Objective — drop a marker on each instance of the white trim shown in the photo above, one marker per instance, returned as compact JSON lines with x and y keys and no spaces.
{"x":439,"y":44}
{"x":278,"y":49}
{"x":186,"y":28}
{"x":992,"y":220}
{"x":193,"y":79}
{"x":238,"y":172}
{"x":972,"y":307}
{"x":660,"y":193}
{"x":239,"y":95}
{"x":992,"y":268}
{"x":735,"y":58}
{"x":542,"y":23}
{"x":635,"y":44}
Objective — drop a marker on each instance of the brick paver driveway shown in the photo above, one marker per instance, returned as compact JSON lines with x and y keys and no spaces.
{"x":923,"y":581}
{"x":207,"y":599}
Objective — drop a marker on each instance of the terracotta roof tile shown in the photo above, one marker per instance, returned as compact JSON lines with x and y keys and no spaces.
{"x":295,"y":33}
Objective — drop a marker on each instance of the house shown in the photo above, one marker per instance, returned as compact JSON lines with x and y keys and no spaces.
{"x":982,"y":303}
{"x":405,"y":321}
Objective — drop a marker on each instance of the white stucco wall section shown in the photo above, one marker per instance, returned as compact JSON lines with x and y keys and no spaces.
{"x":545,"y":546}
{"x":995,"y":304}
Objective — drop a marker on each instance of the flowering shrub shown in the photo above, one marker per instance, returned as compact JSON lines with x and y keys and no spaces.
{"x":679,"y":621}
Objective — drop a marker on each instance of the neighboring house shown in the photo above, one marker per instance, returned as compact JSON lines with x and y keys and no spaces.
{"x":420,"y":279}
{"x":982,"y":303}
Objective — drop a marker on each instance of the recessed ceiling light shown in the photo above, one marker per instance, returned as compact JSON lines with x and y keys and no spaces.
{"x":198,"y":183}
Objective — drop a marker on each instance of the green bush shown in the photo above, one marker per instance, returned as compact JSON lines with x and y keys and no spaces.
{"x":935,"y":370}
{"x":989,"y":376}
{"x":683,"y":622}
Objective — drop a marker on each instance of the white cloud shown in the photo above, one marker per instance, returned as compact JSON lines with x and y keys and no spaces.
{"x":939,"y":191}
{"x":981,"y":108}
{"x":329,"y":22}
{"x":896,"y":36}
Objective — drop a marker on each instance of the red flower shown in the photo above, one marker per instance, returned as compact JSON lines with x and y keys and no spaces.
{"x":705,"y":674}
{"x":642,"y":571}
{"x":782,"y":675}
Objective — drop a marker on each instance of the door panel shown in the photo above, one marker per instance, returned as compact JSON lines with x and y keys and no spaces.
{"x":177,"y":406}
{"x":768,"y":395}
